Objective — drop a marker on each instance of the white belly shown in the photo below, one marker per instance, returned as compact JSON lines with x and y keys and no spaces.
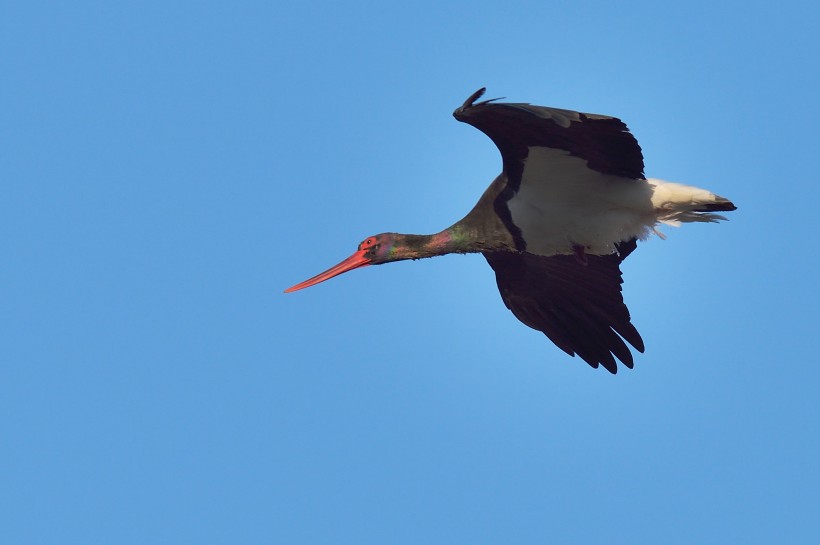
{"x":562,"y":202}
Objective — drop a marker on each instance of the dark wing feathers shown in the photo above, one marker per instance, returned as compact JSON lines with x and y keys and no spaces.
{"x":579,"y":307}
{"x":604,"y":142}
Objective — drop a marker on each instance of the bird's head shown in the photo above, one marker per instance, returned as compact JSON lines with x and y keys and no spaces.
{"x":372,"y":251}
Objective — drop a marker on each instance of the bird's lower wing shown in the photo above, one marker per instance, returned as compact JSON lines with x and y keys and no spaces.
{"x":579,"y":306}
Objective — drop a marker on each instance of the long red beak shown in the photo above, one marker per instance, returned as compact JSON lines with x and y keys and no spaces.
{"x":353,"y":262}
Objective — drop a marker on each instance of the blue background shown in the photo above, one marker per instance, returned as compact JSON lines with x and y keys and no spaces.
{"x":167,"y":169}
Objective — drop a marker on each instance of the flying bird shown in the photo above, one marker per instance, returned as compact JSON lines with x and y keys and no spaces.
{"x":568,"y":207}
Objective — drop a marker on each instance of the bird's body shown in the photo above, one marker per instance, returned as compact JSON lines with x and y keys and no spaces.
{"x":555,"y":225}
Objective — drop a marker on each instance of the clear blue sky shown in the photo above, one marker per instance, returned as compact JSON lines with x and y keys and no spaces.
{"x":167,"y":169}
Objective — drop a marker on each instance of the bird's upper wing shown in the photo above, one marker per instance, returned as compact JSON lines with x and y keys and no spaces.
{"x":578,"y":306}
{"x":605,"y":143}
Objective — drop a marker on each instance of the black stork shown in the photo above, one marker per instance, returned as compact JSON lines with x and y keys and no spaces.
{"x":555,"y":225}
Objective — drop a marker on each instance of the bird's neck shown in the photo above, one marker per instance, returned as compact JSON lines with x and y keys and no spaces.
{"x":482,"y":230}
{"x":457,"y":239}
{"x":421,"y":246}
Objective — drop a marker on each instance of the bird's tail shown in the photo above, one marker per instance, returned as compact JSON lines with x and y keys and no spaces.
{"x":677,"y":203}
